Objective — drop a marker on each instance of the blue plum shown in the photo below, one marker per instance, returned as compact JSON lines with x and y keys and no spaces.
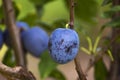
{"x":22,"y":25}
{"x":63,"y":45}
{"x":1,"y":39}
{"x":35,"y":40}
{"x":6,"y":37}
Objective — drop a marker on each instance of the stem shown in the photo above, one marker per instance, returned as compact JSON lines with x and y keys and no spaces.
{"x":71,"y":24}
{"x":13,"y":31}
{"x":17,"y":73}
{"x":77,"y":61}
{"x":79,"y":69}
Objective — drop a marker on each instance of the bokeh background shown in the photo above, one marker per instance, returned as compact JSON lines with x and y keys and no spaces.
{"x":51,"y":14}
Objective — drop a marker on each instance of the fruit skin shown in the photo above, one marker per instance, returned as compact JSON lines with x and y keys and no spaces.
{"x":63,"y":45}
{"x":6,"y":37}
{"x":35,"y":40}
{"x":1,"y":39}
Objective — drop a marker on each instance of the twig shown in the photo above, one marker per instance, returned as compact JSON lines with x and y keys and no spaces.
{"x":77,"y":61}
{"x":79,"y":69}
{"x":71,"y":24}
{"x":92,"y":63}
{"x":17,"y":73}
{"x":14,"y":32}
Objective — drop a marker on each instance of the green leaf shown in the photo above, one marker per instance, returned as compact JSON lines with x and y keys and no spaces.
{"x":25,"y":7}
{"x":110,"y":55}
{"x":0,"y":3}
{"x":105,"y":2}
{"x":83,"y":8}
{"x":9,"y":58}
{"x":85,"y":50}
{"x":46,"y":65}
{"x":40,"y":2}
{"x":113,"y":23}
{"x":57,"y":75}
{"x":96,"y":44}
{"x":109,"y":13}
{"x":100,"y":72}
{"x":89,"y":43}
{"x":1,"y":13}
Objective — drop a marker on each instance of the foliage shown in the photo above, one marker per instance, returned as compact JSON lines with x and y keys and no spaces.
{"x":34,"y":12}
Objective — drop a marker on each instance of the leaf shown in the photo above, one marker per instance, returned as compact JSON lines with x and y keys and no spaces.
{"x":25,"y":8}
{"x":89,"y":43}
{"x":59,"y":23}
{"x":46,"y":65}
{"x":105,"y":2}
{"x":110,"y":55}
{"x":9,"y":58}
{"x":1,"y":13}
{"x":96,"y":44}
{"x":113,"y":23}
{"x":40,"y":2}
{"x":82,"y":8}
{"x":109,"y":13}
{"x":57,"y":75}
{"x":100,"y":72}
{"x":0,"y":3}
{"x":85,"y":50}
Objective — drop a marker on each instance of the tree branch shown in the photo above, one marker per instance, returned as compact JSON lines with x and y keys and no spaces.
{"x":79,"y":69}
{"x":17,"y":73}
{"x":14,"y":32}
{"x":71,"y":24}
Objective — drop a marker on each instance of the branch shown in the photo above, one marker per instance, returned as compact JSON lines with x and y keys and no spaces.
{"x":94,"y":61}
{"x":17,"y":73}
{"x":79,"y":69}
{"x":71,"y":24}
{"x":14,"y":32}
{"x":77,"y":61}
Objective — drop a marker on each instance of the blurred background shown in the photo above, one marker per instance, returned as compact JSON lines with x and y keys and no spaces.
{"x":90,"y":17}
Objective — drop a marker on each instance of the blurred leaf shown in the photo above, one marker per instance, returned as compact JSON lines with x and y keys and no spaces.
{"x":30,"y":19}
{"x":57,"y":75}
{"x":61,"y":23}
{"x":82,"y":8}
{"x":100,"y":72}
{"x":110,"y":55}
{"x":113,"y":23}
{"x":45,"y":26}
{"x":40,"y":2}
{"x":2,"y":27}
{"x":46,"y":65}
{"x":1,"y":13}
{"x":9,"y":58}
{"x":0,"y":3}
{"x":89,"y":43}
{"x":105,"y":2}
{"x":96,"y":43}
{"x":25,"y":7}
{"x":109,"y":13}
{"x":85,"y":50}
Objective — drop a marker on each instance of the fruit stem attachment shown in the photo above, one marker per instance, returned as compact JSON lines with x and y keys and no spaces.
{"x":14,"y":32}
{"x":71,"y":23}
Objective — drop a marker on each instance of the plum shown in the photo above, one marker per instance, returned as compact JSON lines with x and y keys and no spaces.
{"x":6,"y":37}
{"x":1,"y":39}
{"x":35,"y":40}
{"x":63,"y":45}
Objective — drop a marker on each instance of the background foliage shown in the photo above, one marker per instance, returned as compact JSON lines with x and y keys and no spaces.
{"x":52,"y":14}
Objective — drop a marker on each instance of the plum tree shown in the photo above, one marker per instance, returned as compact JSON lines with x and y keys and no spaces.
{"x":63,"y":45}
{"x":1,"y":39}
{"x":6,"y":37}
{"x":35,"y":40}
